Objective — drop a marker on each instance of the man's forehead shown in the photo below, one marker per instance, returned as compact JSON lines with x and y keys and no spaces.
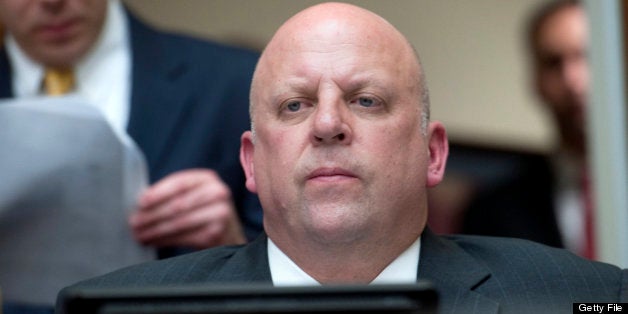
{"x":349,"y":64}
{"x":330,"y":41}
{"x":333,"y":52}
{"x":303,"y":77}
{"x":570,"y":37}
{"x":566,"y":22}
{"x":352,"y":45}
{"x":347,"y":81}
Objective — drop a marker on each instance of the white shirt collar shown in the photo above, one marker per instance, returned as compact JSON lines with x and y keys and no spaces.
{"x":285,"y":272}
{"x":569,"y":207}
{"x":27,"y":74}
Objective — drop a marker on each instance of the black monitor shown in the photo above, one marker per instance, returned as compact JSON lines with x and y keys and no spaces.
{"x":248,"y":299}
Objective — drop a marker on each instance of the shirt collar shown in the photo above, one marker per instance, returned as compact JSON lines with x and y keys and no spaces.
{"x":285,"y":272}
{"x":27,"y":74}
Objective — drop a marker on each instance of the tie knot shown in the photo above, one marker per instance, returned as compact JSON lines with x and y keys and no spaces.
{"x":58,"y":81}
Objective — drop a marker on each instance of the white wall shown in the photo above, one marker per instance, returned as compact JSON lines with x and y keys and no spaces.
{"x":473,"y":53}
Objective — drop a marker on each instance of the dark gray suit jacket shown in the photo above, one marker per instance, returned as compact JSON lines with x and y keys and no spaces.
{"x":472,"y":274}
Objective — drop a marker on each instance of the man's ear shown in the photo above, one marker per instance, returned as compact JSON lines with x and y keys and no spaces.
{"x":246,"y":159}
{"x":438,"y":146}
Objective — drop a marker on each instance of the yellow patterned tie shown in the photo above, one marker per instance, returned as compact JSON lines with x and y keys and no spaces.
{"x":58,"y":81}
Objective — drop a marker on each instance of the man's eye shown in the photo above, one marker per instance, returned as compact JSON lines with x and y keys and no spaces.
{"x":366,"y":102}
{"x":294,"y":106}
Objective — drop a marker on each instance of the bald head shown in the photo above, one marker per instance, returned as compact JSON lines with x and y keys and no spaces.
{"x":331,"y":28}
{"x":331,"y":22}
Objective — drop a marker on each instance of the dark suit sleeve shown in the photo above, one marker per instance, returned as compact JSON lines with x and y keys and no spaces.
{"x":189,"y":107}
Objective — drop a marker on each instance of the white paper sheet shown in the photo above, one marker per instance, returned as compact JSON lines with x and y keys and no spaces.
{"x":68,"y":184}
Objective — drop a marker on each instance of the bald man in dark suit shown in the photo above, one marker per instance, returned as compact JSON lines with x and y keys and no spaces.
{"x":341,"y":154}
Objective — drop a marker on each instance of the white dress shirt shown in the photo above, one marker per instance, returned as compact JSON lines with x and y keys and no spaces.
{"x":285,"y":272}
{"x":568,"y":202}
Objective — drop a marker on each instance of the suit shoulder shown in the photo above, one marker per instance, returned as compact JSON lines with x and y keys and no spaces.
{"x":210,"y":46}
{"x":198,"y":266}
{"x":197,"y":48}
{"x":203,"y":53}
{"x":520,"y":251}
{"x":506,"y":257}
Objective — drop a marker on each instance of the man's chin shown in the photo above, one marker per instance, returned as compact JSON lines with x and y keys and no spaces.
{"x":60,"y":55}
{"x":337,"y":229}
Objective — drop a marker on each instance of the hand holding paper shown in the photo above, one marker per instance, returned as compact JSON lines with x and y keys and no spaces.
{"x":190,"y":208}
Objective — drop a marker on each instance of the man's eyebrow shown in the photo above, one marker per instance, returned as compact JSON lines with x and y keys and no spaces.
{"x":363,"y":81}
{"x":290,"y":87}
{"x":349,"y":84}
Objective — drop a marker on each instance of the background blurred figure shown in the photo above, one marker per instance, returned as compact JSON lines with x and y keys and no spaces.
{"x":183,"y":101}
{"x":549,"y":200}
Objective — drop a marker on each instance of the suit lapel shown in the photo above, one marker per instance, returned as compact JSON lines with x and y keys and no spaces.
{"x":250,"y":264}
{"x":5,"y":75}
{"x":157,"y":99}
{"x":456,"y":275}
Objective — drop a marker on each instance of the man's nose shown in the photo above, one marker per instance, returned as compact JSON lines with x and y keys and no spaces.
{"x":331,"y":123}
{"x":576,"y":76}
{"x":53,"y":6}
